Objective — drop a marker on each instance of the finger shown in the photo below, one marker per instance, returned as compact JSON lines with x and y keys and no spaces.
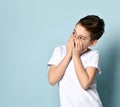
{"x":72,"y":43}
{"x":75,"y":43}
{"x":80,"y":44}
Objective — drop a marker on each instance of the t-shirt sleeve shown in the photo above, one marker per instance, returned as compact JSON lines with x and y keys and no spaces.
{"x":93,"y":61}
{"x":54,"y":60}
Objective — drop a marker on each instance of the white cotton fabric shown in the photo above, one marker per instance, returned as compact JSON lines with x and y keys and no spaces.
{"x":70,"y":91}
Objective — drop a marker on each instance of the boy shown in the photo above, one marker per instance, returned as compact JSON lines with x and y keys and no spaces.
{"x":75,"y":65}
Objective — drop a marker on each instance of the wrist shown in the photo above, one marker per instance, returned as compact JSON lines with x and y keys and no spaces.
{"x":69,"y":55}
{"x":76,"y":56}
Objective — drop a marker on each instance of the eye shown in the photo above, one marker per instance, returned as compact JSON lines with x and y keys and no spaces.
{"x":74,"y":33}
{"x":80,"y":37}
{"x":83,"y":38}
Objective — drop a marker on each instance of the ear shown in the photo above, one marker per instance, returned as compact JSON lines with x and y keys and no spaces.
{"x":93,"y":42}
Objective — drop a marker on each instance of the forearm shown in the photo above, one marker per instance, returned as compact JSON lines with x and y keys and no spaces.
{"x":81,"y":72}
{"x":57,"y":73}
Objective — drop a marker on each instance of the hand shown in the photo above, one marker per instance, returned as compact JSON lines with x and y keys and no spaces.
{"x":78,"y":47}
{"x":70,"y":45}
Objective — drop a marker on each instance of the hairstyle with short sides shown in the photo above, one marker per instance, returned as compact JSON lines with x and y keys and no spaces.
{"x":93,"y":24}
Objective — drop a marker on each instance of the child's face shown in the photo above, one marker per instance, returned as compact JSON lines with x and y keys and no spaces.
{"x":84,"y":35}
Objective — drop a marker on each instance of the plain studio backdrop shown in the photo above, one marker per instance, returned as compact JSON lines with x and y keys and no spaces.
{"x":31,"y":29}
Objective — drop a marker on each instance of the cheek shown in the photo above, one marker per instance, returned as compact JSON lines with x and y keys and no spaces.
{"x":85,"y":45}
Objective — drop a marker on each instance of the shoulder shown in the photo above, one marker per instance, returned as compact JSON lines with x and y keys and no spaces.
{"x":92,"y":55}
{"x":61,"y":48}
{"x":92,"y":52}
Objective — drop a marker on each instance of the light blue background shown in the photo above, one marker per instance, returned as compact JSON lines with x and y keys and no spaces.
{"x":31,"y":29}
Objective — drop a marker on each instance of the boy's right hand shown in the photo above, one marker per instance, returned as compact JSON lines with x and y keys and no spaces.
{"x":70,"y":45}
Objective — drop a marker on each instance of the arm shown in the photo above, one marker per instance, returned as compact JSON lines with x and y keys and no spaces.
{"x":85,"y":76}
{"x":57,"y":72}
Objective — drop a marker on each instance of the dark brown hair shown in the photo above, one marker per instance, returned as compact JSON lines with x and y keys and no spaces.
{"x":94,"y":25}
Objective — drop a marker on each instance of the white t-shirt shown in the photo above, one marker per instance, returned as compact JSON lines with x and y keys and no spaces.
{"x":70,"y":91}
